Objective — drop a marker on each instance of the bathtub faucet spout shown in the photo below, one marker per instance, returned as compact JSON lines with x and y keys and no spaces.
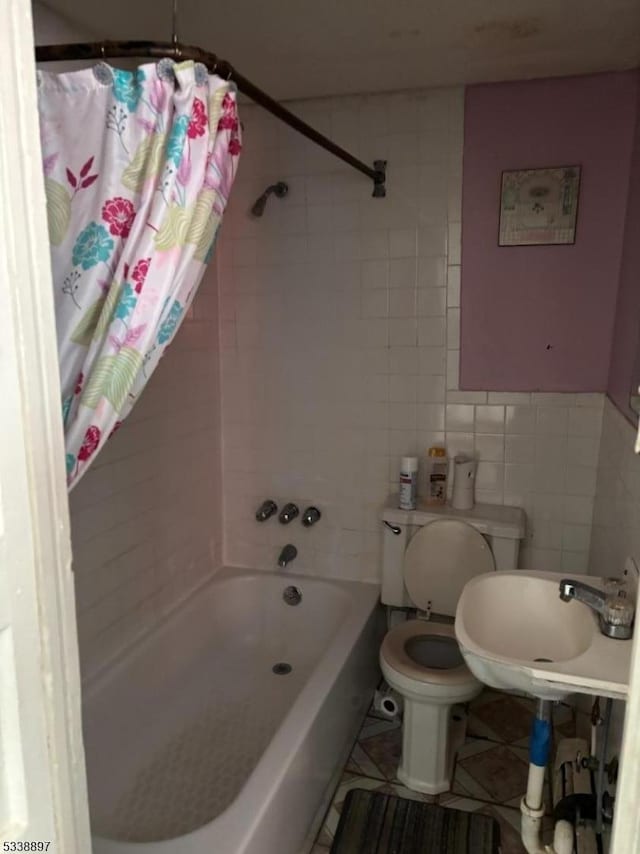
{"x":287,"y":554}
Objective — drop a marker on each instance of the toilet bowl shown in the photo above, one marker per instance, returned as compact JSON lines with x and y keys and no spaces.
{"x":420,"y":658}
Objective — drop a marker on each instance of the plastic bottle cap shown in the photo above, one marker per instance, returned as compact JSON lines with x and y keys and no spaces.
{"x":409,"y":464}
{"x":437,"y":451}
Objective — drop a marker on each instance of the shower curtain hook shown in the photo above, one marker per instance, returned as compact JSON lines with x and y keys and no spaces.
{"x":176,"y":50}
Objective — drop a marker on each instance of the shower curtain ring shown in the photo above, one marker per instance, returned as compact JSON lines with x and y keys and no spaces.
{"x":174,"y":31}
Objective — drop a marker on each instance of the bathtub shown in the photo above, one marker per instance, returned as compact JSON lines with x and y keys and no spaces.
{"x":224,"y":730}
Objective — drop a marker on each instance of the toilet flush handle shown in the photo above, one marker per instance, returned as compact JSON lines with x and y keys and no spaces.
{"x":395,"y":529}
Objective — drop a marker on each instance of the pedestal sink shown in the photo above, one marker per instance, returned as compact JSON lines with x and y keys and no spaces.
{"x":515,"y":633}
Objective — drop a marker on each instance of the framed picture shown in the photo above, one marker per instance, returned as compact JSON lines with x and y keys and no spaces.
{"x":539,"y":206}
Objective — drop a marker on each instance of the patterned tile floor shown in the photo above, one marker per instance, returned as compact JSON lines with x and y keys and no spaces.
{"x":490,"y":774}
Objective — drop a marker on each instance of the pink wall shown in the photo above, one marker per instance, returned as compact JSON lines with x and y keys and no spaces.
{"x":625,"y":365}
{"x":541,"y":318}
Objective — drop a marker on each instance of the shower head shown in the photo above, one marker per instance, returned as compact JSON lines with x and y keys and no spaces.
{"x":280,"y":190}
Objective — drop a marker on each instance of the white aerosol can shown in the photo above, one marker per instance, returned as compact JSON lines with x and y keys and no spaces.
{"x":409,"y":483}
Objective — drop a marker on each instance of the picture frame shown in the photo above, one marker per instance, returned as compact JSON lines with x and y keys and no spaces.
{"x":539,"y":207}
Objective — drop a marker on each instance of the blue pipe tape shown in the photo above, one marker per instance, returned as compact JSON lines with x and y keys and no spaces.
{"x":540,"y":742}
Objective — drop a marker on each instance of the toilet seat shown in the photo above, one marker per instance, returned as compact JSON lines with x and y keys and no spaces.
{"x":395,"y":654}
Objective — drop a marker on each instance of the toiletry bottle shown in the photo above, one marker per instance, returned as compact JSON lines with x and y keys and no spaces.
{"x":436,"y":468}
{"x":408,"y":483}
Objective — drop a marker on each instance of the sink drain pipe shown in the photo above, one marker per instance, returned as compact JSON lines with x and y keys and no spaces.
{"x":532,"y":805}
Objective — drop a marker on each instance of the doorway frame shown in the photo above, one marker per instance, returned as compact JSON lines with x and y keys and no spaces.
{"x":24,"y":239}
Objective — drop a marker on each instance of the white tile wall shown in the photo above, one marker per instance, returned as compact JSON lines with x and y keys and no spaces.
{"x":616,"y":518}
{"x":147,"y":518}
{"x":340,"y":336}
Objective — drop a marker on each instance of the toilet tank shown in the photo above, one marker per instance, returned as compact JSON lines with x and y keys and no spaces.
{"x":503,"y":528}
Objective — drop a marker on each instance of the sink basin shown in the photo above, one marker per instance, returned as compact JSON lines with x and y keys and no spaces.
{"x":515,"y":633}
{"x":529,"y":620}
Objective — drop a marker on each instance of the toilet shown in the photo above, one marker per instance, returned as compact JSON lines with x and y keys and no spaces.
{"x":428,"y":556}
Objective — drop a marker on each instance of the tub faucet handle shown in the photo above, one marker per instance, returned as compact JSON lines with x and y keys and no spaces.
{"x":266,"y":510}
{"x":288,"y":513}
{"x":310,"y":516}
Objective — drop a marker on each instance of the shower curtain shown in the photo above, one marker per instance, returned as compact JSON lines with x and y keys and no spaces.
{"x":138,"y":169}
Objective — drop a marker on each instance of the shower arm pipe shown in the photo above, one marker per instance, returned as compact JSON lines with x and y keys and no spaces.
{"x":179,"y":52}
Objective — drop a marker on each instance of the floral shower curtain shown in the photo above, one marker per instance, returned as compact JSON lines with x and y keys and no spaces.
{"x":138,"y":169}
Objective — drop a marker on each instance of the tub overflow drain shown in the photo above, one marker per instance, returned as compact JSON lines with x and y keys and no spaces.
{"x":292,"y":595}
{"x":544,"y":660}
{"x":281,"y":668}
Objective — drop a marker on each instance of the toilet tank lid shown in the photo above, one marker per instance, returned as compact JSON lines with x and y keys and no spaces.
{"x":493,"y":520}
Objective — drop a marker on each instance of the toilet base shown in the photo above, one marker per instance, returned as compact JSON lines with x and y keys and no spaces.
{"x":430,"y":741}
{"x":421,"y":786}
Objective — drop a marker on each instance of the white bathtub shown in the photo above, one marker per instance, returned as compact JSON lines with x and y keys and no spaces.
{"x":195,"y":746}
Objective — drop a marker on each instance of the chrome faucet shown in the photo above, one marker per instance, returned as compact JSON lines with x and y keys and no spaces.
{"x":591,"y":596}
{"x":615,"y":612}
{"x":287,"y":554}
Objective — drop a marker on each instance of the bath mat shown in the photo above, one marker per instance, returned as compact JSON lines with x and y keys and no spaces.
{"x":375,"y":823}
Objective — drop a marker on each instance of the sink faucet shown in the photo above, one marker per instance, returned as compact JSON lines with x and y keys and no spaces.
{"x":287,"y":554}
{"x":615,"y":613}
{"x":591,"y":596}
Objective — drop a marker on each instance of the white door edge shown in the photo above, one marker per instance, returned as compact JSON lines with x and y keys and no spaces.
{"x":44,"y":788}
{"x":626,"y":823}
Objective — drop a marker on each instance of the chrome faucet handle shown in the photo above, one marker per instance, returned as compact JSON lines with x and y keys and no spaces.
{"x":310,"y":516}
{"x":266,"y":510}
{"x":618,"y":616}
{"x":288,"y":513}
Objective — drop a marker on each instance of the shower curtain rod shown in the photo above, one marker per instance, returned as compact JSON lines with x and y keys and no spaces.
{"x":122,"y":49}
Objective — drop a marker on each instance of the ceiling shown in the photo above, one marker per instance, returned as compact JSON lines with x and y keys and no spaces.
{"x":298,"y":48}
